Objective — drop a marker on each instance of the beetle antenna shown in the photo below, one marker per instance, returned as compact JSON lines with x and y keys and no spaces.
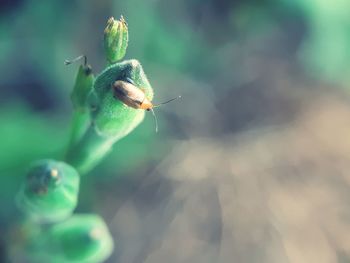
{"x":67,"y":62}
{"x":165,"y":102}
{"x":155,"y":119}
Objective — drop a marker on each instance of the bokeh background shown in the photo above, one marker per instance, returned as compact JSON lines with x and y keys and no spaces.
{"x":252,"y":165}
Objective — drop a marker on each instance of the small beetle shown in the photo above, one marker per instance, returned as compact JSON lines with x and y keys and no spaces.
{"x":131,"y":96}
{"x":134,"y":97}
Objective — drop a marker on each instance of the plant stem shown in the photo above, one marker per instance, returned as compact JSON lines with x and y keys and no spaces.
{"x":89,"y":150}
{"x":80,"y":124}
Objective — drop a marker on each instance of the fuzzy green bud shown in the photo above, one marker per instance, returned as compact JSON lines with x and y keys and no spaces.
{"x":49,"y":192}
{"x":115,"y":39}
{"x":111,"y":116}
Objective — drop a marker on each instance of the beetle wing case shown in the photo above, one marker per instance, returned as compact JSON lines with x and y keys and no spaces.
{"x":128,"y":94}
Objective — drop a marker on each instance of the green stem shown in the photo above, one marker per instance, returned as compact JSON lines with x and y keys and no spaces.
{"x":89,"y":150}
{"x":80,"y":124}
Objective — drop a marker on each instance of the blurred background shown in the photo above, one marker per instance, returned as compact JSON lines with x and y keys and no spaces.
{"x":252,"y":165}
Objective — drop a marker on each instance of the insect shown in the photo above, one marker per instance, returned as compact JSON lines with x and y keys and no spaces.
{"x":134,"y":97}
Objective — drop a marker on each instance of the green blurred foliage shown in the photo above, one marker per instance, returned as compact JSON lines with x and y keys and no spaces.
{"x":325,"y":51}
{"x":25,"y":136}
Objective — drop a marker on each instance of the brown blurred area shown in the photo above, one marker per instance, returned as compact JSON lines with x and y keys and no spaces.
{"x":258,"y":171}
{"x":276,"y":191}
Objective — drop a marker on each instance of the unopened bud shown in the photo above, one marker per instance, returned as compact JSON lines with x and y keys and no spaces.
{"x":116,"y":39}
{"x":49,"y":192}
{"x":81,"y":238}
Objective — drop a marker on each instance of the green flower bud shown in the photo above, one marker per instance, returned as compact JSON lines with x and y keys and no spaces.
{"x":83,"y":86}
{"x":49,"y":192}
{"x":115,"y":39}
{"x":81,"y":238}
{"x":111,"y":118}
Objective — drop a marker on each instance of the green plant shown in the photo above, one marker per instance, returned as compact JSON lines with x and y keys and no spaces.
{"x":48,"y":196}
